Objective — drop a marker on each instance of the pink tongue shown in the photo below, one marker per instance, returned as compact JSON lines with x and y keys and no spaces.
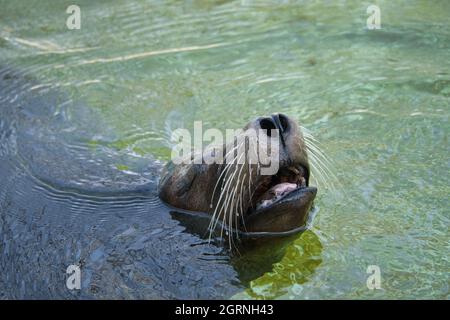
{"x":281,"y":188}
{"x":274,"y":192}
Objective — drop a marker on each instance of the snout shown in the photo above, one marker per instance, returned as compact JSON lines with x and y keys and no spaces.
{"x":277,"y":121}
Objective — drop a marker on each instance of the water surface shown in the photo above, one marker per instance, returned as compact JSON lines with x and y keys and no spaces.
{"x":85,"y":114}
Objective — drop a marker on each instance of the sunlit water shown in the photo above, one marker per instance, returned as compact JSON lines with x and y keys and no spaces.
{"x":93,"y":110}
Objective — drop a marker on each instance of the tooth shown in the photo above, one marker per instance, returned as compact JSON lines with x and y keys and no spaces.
{"x":295,"y":170}
{"x":303,"y":182}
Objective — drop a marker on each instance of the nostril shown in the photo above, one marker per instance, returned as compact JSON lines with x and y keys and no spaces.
{"x":283,"y":122}
{"x":267,"y":124}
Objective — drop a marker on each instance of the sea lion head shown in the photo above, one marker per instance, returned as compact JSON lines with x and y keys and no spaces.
{"x":241,"y":193}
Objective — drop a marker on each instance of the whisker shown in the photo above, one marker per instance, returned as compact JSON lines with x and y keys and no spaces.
{"x":227,"y":198}
{"x":320,"y":163}
{"x":325,"y":166}
{"x":237,"y":185}
{"x":241,"y":198}
{"x":227,"y":166}
{"x":216,"y":214}
{"x":320,"y":172}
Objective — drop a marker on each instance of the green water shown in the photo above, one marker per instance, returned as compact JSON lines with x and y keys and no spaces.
{"x":378,"y":101}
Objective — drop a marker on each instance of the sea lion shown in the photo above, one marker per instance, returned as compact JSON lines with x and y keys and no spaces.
{"x":237,"y":195}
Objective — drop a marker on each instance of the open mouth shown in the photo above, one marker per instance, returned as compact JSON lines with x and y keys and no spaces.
{"x":276,"y":187}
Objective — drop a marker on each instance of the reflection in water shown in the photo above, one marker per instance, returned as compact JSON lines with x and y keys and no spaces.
{"x":285,"y":262}
{"x":252,"y":258}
